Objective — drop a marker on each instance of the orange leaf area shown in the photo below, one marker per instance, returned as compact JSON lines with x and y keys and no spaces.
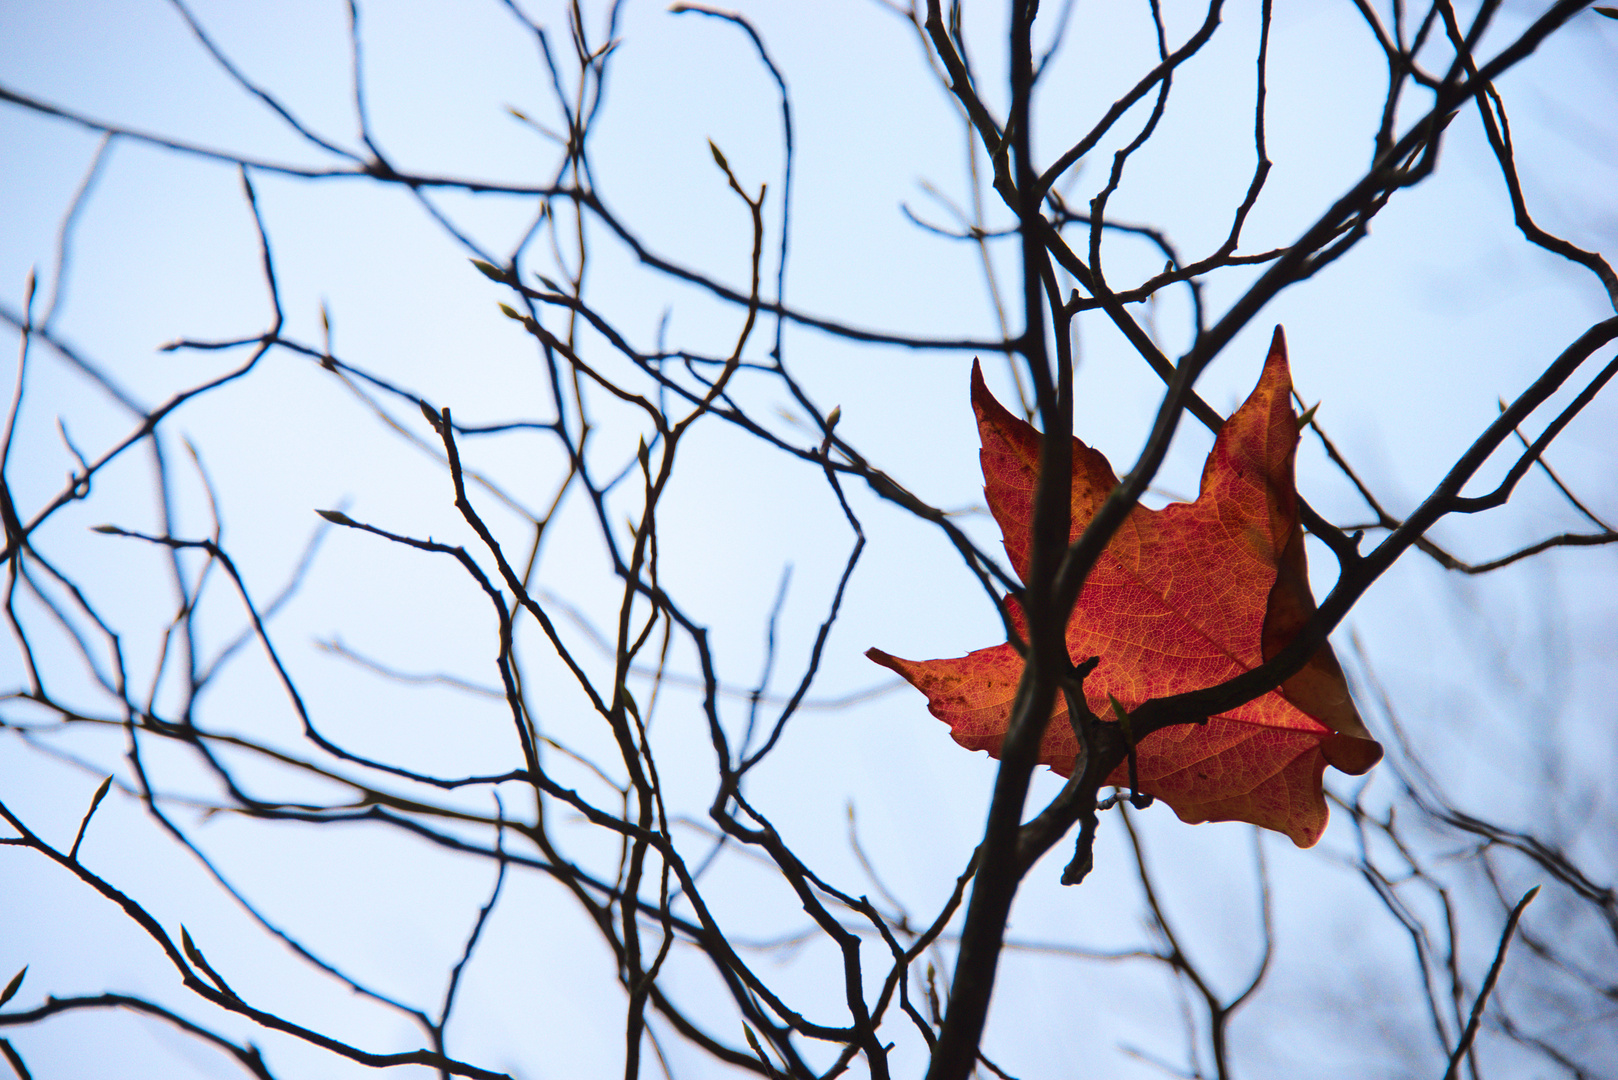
{"x":1183,"y":598}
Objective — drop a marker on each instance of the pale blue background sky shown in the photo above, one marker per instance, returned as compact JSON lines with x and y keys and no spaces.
{"x":1408,"y":343}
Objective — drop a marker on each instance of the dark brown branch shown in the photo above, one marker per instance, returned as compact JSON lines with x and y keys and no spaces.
{"x":1462,"y":1047}
{"x":248,"y":1056}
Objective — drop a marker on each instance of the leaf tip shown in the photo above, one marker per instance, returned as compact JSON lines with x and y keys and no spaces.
{"x":1351,"y":754}
{"x":985,"y":405}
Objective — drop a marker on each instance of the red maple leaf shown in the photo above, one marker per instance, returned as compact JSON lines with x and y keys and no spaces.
{"x":1183,"y":598}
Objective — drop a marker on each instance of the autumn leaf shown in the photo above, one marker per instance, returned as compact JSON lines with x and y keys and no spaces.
{"x":1183,"y":598}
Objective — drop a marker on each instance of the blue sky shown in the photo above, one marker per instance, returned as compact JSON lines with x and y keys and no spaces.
{"x":1408,"y":343}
